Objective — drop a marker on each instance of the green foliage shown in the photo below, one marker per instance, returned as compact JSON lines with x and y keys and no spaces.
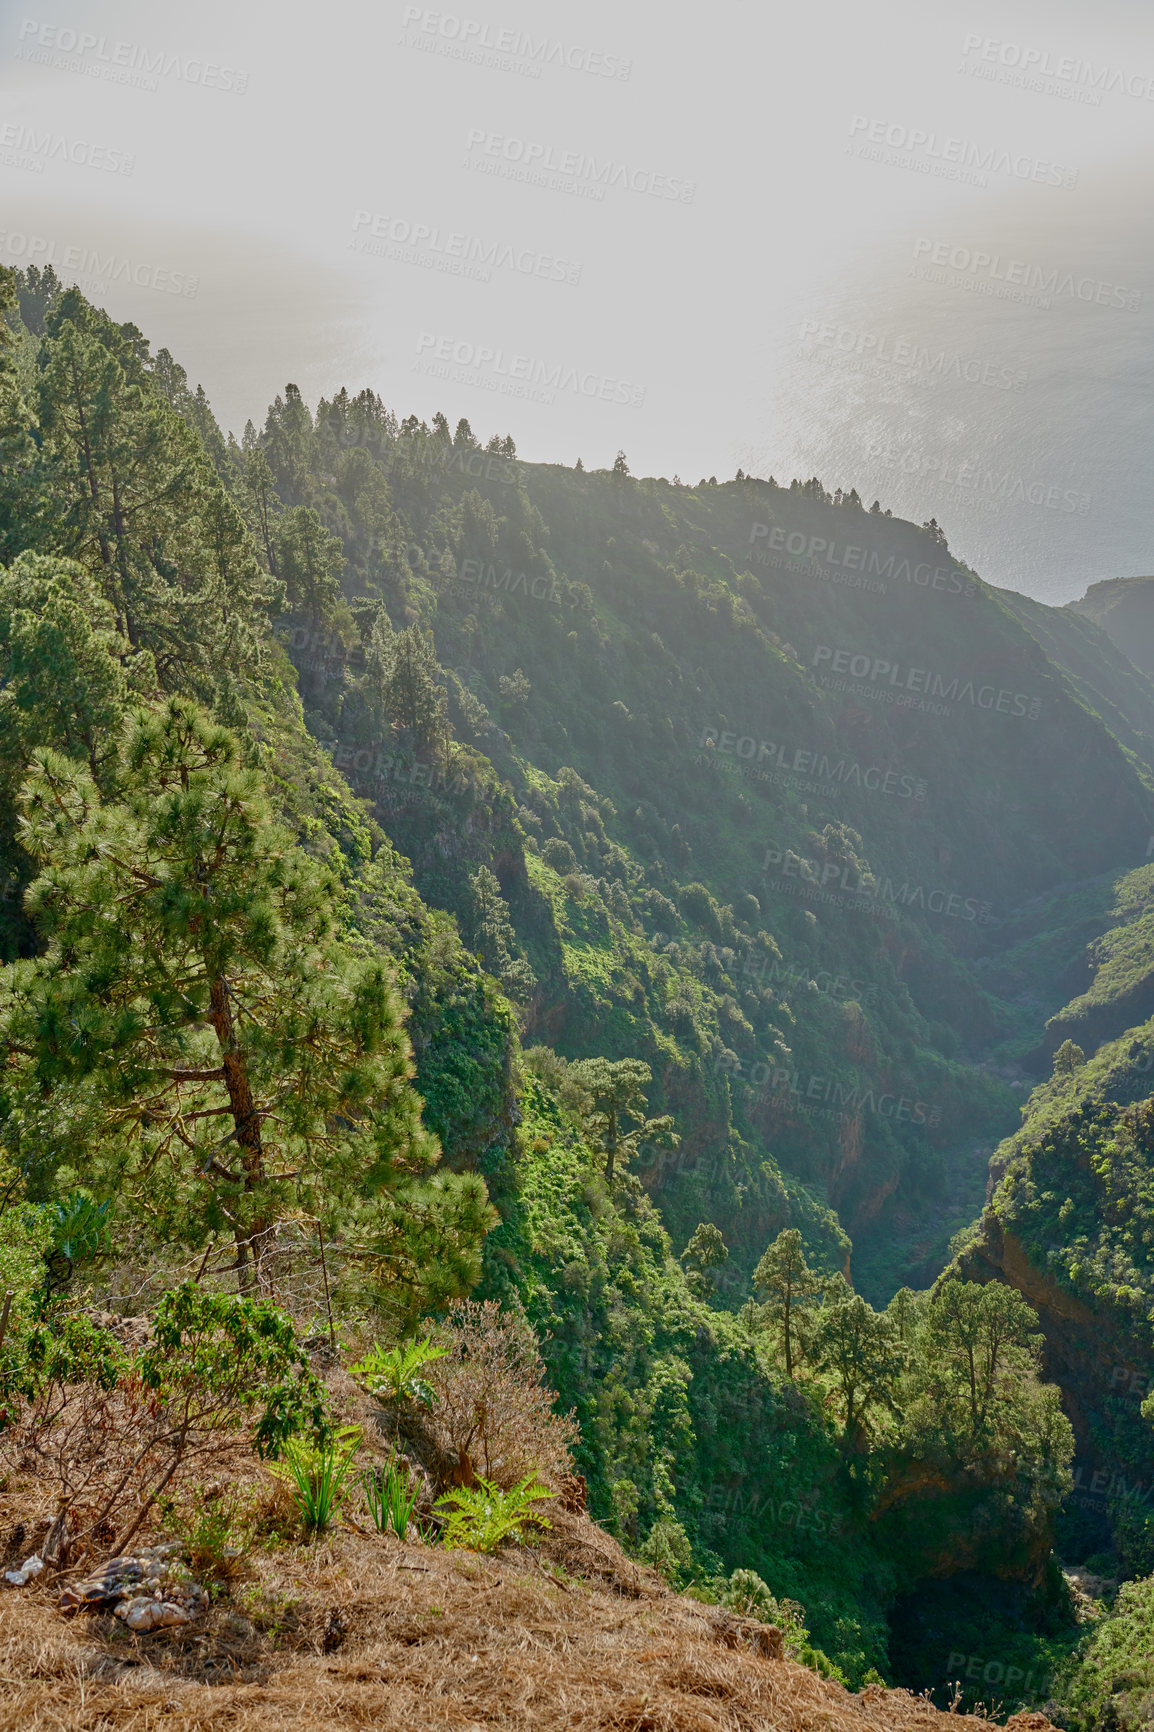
{"x":494,"y":938}
{"x":80,"y":1229}
{"x":983,"y":1348}
{"x":481,"y":1516}
{"x":393,"y":1372}
{"x":122,"y":484}
{"x":70,"y":1350}
{"x":1111,"y":1684}
{"x":411,"y":697}
{"x":789,"y":1285}
{"x":25,"y":1237}
{"x":310,"y":561}
{"x":391,"y":1497}
{"x":220,"y":1362}
{"x":745,"y":1592}
{"x":668,"y":1550}
{"x":615,"y":1089}
{"x":705,"y":1252}
{"x":194,"y":961}
{"x":316,"y":1473}
{"x":860,"y":1349}
{"x":66,"y":667}
{"x":602,"y":861}
{"x":113,"y":1433}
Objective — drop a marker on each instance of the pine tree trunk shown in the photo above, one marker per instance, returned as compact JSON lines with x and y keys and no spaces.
{"x":251,"y":1236}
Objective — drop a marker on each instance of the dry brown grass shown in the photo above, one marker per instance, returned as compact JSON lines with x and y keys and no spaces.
{"x":360,"y":1630}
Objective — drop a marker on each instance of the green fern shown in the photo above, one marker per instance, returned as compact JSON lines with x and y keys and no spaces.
{"x":482,"y":1515}
{"x":392,"y":1372}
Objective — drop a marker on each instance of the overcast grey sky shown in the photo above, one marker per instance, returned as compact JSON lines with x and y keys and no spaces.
{"x":905,"y":246}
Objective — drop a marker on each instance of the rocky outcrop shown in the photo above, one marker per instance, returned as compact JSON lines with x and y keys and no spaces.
{"x":1086,"y":1352}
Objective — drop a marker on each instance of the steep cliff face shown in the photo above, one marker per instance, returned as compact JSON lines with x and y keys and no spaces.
{"x":1070,"y":1226}
{"x":1087,"y":1354}
{"x":1124,"y":608}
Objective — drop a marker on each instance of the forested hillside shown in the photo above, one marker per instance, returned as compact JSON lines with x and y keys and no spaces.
{"x":708,"y":922}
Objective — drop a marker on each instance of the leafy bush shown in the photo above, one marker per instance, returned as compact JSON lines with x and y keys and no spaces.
{"x":1113,"y":1685}
{"x":112,"y":1433}
{"x":745,"y":1592}
{"x":667,"y":1549}
{"x":24,"y":1237}
{"x":483,"y":1515}
{"x":558,"y":854}
{"x":699,"y":907}
{"x":216,"y":1526}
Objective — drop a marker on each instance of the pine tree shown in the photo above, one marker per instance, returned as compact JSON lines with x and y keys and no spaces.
{"x":494,"y":938}
{"x":861,"y":1349}
{"x":310,"y":562}
{"x":705,"y":1252}
{"x":64,"y":678}
{"x":213,"y":1055}
{"x":412,"y":697}
{"x":20,"y":504}
{"x":789,"y":1285}
{"x":983,"y":1343}
{"x":128,"y":494}
{"x":290,"y":446}
{"x":616,"y":1089}
{"x":263,"y":502}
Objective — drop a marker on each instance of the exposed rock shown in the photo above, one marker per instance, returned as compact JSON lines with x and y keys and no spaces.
{"x":145,"y":1613}
{"x":150,"y":1590}
{"x":30,"y":1568}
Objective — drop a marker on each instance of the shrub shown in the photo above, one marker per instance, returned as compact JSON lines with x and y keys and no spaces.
{"x":112,"y":1434}
{"x":701,"y":910}
{"x":493,"y":1401}
{"x":667,"y":1549}
{"x":483,"y":1515}
{"x":745,"y":1592}
{"x":216,"y":1526}
{"x":558,"y":853}
{"x":661,"y":910}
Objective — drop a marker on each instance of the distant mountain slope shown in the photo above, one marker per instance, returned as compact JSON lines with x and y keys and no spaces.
{"x":1124,"y":608}
{"x":726,"y":711}
{"x":1100,"y":665}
